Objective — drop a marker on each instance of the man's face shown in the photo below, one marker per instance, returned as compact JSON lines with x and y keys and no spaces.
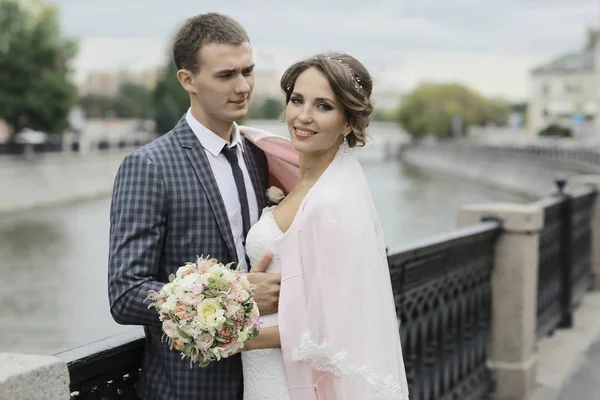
{"x":223,"y":85}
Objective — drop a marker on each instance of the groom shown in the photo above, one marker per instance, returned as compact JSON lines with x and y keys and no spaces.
{"x":194,"y":191}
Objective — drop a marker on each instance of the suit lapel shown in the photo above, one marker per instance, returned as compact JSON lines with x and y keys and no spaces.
{"x":201,"y":166}
{"x":253,"y":171}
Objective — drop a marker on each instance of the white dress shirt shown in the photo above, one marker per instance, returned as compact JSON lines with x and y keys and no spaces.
{"x":213,"y":144}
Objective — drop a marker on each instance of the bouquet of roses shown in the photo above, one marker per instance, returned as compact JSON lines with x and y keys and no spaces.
{"x":207,"y":311}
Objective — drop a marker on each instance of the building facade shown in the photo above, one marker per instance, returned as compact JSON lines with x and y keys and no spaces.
{"x":565,"y":91}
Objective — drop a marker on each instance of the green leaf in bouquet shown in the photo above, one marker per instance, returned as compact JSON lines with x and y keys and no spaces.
{"x":171,"y":278}
{"x":220,"y":339}
{"x":183,"y":334}
{"x":229,"y":322}
{"x":188,"y":348}
{"x":173,"y":316}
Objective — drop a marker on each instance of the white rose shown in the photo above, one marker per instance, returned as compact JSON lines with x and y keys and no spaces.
{"x":188,"y":281}
{"x":221,"y":276}
{"x":171,"y":302}
{"x":242,"y":336}
{"x":168,"y":289}
{"x":181,"y":271}
{"x":212,"y":314}
{"x":215,"y":321}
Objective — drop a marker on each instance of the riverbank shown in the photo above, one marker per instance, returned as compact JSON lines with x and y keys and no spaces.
{"x":56,"y":178}
{"x":527,"y":175}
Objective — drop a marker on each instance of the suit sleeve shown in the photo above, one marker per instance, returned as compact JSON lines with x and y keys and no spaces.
{"x":137,"y":231}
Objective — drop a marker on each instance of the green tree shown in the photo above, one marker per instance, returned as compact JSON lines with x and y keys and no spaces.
{"x":431,"y":108}
{"x":170,"y":100}
{"x":35,"y":83}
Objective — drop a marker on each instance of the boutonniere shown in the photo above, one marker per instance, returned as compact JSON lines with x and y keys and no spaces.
{"x":274,"y":196}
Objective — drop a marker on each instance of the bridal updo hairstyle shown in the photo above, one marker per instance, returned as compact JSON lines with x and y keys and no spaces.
{"x":350,"y":82}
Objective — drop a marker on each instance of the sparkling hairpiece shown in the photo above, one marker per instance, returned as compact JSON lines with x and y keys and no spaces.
{"x":356,"y":78}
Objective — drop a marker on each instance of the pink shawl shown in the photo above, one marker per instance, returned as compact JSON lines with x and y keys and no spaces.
{"x":337,"y":320}
{"x":284,"y":167}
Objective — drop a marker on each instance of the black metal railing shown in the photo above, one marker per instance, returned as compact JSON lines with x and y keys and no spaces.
{"x":582,"y":204}
{"x":564,"y":273}
{"x":549,"y":312}
{"x":442,"y":290}
{"x":107,"y":369}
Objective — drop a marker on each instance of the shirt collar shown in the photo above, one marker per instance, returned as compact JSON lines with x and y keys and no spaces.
{"x":210,"y":140}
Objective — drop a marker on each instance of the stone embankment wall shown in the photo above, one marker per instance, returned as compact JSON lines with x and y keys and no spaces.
{"x":48,"y":179}
{"x":528,"y":171}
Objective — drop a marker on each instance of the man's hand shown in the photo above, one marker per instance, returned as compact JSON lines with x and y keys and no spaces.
{"x":266,"y":294}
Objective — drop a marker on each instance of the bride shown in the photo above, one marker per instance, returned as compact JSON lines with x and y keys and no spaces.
{"x":336,"y":334}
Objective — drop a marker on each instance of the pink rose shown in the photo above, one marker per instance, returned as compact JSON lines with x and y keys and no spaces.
{"x":182,"y":313}
{"x":275,"y":195}
{"x":230,"y":346}
{"x":237,"y":293}
{"x":235,"y":312}
{"x":198,"y":286}
{"x":170,"y":329}
{"x":225,"y":332}
{"x":204,"y":266}
{"x":191,"y":299}
{"x":254,"y":320}
{"x":204,"y":341}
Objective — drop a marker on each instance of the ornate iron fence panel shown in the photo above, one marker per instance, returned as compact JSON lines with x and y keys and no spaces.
{"x":442,"y":290}
{"x":549,"y":311}
{"x":581,"y":271}
{"x":107,"y":369}
{"x":564,"y":273}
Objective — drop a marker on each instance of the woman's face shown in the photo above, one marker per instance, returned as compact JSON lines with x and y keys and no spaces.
{"x":314,"y":116}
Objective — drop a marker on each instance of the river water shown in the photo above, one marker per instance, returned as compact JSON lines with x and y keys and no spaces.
{"x":53,"y":261}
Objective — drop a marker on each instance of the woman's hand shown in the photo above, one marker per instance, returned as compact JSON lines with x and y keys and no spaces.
{"x":268,"y":338}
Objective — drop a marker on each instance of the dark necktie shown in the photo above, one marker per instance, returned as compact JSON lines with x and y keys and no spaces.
{"x":238,"y":176}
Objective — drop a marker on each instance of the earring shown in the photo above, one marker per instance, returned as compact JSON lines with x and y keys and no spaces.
{"x":346,"y":143}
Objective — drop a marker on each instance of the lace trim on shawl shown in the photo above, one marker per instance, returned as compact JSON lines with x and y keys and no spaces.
{"x":324,"y":358}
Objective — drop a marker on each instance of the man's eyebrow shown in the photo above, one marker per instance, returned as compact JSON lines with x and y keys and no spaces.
{"x":231,"y":70}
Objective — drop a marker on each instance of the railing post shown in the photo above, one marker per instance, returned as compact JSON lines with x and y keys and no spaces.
{"x":566,"y":255}
{"x":594,"y":182}
{"x":512,"y":357}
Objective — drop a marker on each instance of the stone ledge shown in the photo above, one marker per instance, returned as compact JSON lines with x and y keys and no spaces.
{"x":33,"y":377}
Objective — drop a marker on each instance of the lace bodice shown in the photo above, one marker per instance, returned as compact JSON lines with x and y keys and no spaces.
{"x":262,"y":238}
{"x":264,"y":377}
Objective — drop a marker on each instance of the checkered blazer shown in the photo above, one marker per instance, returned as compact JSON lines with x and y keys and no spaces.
{"x":166,"y":209}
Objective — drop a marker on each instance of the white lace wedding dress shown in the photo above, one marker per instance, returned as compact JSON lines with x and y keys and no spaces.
{"x":264,"y":377}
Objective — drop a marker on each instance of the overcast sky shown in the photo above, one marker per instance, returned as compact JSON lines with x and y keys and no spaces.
{"x":490,"y":45}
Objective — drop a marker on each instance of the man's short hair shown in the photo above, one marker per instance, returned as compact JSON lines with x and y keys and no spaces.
{"x":202,"y":29}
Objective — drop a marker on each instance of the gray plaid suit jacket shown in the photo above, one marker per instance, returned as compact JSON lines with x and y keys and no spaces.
{"x":166,"y":209}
